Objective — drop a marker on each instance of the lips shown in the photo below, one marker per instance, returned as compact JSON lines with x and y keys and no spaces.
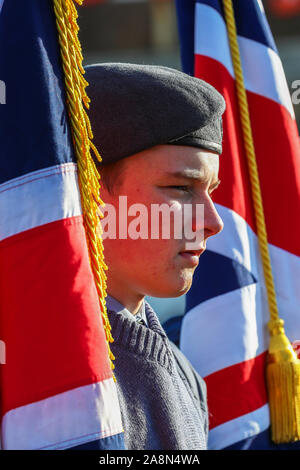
{"x":193,"y":252}
{"x":191,"y":256}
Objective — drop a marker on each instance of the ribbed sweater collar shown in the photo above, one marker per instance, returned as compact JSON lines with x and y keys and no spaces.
{"x":150,"y":341}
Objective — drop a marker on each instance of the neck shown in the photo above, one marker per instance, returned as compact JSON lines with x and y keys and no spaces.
{"x":130,"y":300}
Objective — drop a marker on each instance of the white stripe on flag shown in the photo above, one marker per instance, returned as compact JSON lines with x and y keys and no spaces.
{"x":234,"y":324}
{"x":38,"y":198}
{"x":235,"y":430}
{"x":211,"y":40}
{"x":65,"y":420}
{"x":233,"y":330}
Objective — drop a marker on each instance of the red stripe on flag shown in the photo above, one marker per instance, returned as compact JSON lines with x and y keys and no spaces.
{"x":236,"y":390}
{"x":234,"y":192}
{"x":278,"y":157}
{"x":52,"y":327}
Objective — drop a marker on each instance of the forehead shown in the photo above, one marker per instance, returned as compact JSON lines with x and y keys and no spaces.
{"x":176,"y":159}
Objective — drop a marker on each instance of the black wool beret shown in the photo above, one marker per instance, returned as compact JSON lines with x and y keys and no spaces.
{"x":135,"y":107}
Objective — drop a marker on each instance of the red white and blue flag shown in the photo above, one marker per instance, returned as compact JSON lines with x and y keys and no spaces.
{"x":57,"y":389}
{"x":224,"y":331}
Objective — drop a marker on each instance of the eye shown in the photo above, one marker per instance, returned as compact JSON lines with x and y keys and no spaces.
{"x":185,"y":189}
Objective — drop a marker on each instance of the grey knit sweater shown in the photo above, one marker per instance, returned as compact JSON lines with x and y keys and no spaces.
{"x":162,"y":398}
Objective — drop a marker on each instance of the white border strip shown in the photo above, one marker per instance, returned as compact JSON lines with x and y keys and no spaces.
{"x":238,"y":429}
{"x":263,"y":71}
{"x":39,"y":198}
{"x":65,"y":420}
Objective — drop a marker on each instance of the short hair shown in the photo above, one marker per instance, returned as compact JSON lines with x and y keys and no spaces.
{"x":111,"y":174}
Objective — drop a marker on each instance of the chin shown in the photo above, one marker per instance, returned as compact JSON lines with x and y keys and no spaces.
{"x":184,"y":284}
{"x":182,"y":291}
{"x":171,"y":290}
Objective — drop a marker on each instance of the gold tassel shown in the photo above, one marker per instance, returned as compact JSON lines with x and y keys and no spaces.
{"x":283,"y":380}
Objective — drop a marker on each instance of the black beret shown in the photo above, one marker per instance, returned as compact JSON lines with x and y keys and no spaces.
{"x":135,"y":107}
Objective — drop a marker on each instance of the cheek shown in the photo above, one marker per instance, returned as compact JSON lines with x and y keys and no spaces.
{"x":152,"y":259}
{"x":155,"y":253}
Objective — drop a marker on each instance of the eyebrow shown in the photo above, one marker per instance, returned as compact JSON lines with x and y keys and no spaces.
{"x":192,"y":175}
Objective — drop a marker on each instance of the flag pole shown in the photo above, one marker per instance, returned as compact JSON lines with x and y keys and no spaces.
{"x":283,"y":366}
{"x":88,"y":176}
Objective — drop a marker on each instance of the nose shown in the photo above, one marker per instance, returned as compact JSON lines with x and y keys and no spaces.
{"x":210,"y":222}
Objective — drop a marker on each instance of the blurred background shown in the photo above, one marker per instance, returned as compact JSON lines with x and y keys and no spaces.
{"x":145,"y":31}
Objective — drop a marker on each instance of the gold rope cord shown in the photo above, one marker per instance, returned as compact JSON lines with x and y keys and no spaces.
{"x":88,"y":176}
{"x":283,"y":367}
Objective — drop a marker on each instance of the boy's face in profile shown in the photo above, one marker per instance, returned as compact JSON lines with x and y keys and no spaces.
{"x":174,"y":176}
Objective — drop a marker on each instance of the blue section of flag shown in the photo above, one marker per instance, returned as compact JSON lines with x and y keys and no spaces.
{"x":172,"y":327}
{"x":216,"y":4}
{"x":115,"y":442}
{"x":252,"y":24}
{"x":250,"y":21}
{"x":34,"y":123}
{"x":216,"y":275}
{"x":186,"y":27}
{"x":262,"y":441}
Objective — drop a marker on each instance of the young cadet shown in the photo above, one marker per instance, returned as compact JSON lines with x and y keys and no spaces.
{"x":159,"y":133}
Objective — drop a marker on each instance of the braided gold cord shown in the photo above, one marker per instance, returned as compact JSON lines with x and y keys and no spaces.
{"x":252,"y":165}
{"x":88,"y":177}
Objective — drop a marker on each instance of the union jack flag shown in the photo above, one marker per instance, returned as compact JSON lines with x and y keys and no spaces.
{"x":224,"y":331}
{"x":57,"y":389}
